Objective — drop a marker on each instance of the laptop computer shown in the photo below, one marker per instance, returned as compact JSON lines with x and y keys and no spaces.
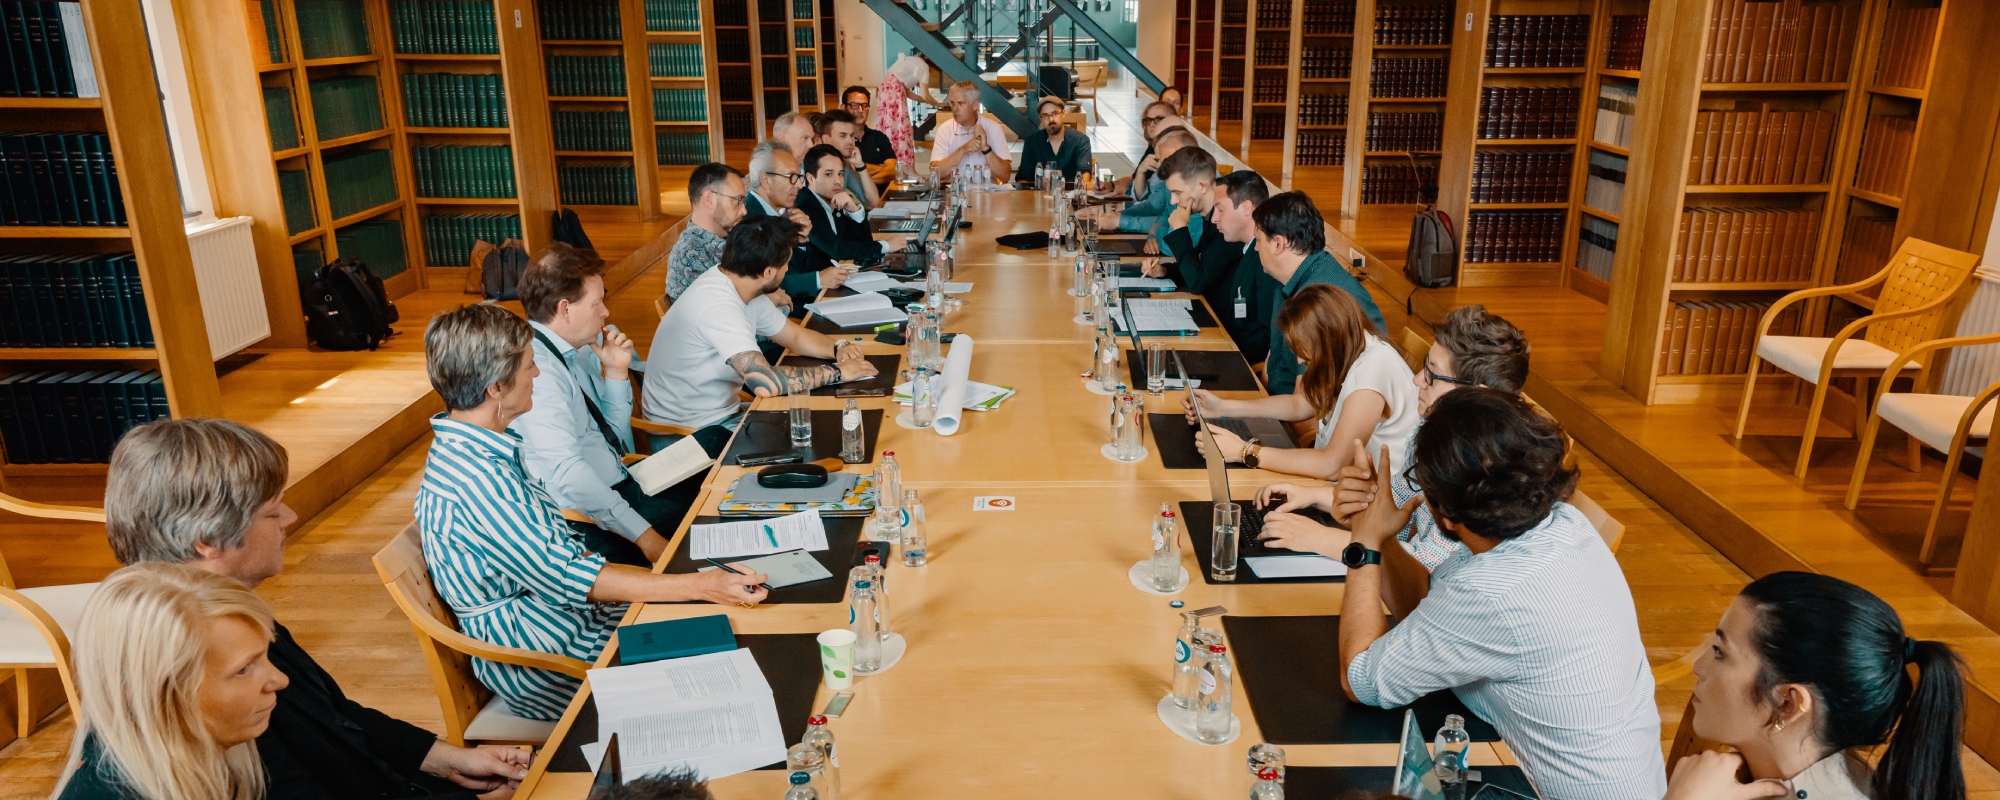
{"x":1247,"y":543}
{"x":609,"y":773}
{"x":1121,"y":246}
{"x":920,"y":226}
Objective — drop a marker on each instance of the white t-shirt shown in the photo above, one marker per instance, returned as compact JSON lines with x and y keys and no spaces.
{"x":688,"y":377}
{"x":949,"y":136}
{"x":1381,"y":370}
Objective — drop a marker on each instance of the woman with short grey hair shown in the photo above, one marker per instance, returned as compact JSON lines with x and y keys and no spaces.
{"x":178,"y":487}
{"x":474,"y":349}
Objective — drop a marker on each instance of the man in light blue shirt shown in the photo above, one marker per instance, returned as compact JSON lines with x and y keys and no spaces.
{"x":1531,"y":624}
{"x":1146,"y":214}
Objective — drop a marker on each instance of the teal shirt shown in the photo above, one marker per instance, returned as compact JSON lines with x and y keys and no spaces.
{"x":1281,"y":370}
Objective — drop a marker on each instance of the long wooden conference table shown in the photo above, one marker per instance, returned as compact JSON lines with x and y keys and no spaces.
{"x":1034,"y":665}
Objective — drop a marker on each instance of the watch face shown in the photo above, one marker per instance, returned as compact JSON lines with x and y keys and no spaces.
{"x":1354,"y":555}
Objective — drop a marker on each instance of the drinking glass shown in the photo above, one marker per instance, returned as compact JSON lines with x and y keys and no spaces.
{"x":1156,"y":368}
{"x":799,"y":398}
{"x":1222,"y":553}
{"x":923,"y":398}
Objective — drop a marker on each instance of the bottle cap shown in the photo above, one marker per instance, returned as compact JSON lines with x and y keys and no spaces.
{"x":800,"y":779}
{"x":871,"y":559}
{"x":888,"y":452}
{"x":1216,"y":648}
{"x":1176,"y":603}
{"x":816,"y":719}
{"x":1268,"y":774}
{"x":1168,"y":514}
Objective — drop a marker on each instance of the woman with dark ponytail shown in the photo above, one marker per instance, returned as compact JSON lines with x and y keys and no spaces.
{"x":1805,"y":671}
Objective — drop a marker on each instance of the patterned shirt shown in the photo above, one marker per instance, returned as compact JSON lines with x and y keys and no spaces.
{"x":502,"y":557}
{"x":1571,"y":693}
{"x":1421,"y":537}
{"x":697,"y":252}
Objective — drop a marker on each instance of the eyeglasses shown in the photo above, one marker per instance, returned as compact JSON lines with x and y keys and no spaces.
{"x":857,"y":105}
{"x":1432,"y":376}
{"x":736,"y":197}
{"x":790,"y":177}
{"x":1150,"y":120}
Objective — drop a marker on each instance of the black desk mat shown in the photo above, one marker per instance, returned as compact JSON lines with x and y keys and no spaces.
{"x":1217,"y":370}
{"x":820,"y":324}
{"x":1291,"y":671}
{"x":1174,"y":438}
{"x":885,"y":373}
{"x":1315,"y":783}
{"x":767,"y":431}
{"x":839,"y":556}
{"x":1198,"y":519}
{"x":790,"y":662}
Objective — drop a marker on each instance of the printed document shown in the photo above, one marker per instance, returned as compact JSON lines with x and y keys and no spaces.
{"x":867,"y":308}
{"x":713,"y":713}
{"x":756,"y":537}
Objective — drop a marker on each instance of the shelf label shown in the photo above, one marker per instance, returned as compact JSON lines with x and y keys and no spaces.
{"x":1468,"y":19}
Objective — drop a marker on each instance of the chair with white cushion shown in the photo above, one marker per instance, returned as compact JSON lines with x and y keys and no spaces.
{"x":1918,"y":289}
{"x":1948,"y":423}
{"x":472,"y":713}
{"x":35,"y":624}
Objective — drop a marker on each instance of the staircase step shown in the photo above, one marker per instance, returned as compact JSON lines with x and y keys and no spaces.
{"x":929,"y":26}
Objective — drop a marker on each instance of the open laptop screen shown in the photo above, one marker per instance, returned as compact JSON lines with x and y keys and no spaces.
{"x":1218,"y":470}
{"x":609,"y":773}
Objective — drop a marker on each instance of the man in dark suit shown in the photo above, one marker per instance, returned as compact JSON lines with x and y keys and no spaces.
{"x":1224,"y":268}
{"x":210,"y":493}
{"x":775,"y":179}
{"x":839,"y":220}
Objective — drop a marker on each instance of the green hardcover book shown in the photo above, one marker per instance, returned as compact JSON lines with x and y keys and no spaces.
{"x":676,"y":638}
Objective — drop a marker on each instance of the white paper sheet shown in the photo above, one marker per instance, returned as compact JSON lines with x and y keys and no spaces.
{"x":712,"y":712}
{"x":756,"y":537}
{"x":1153,"y":318}
{"x":911,"y":207}
{"x":867,"y":308}
{"x":872,"y":282}
{"x":1294,"y":566}
{"x":957,"y":372}
{"x":1150,"y":284}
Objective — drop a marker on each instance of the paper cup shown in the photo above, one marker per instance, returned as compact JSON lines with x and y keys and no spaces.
{"x":836,"y":658}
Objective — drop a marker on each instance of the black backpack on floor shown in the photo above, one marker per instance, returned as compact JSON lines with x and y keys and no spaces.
{"x":500,"y":274}
{"x":347,"y":308}
{"x":566,"y":228}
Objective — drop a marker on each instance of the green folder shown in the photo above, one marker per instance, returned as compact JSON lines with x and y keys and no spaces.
{"x":675,"y":638}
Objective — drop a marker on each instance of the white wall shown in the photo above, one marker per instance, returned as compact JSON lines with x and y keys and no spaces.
{"x":861,"y":35}
{"x":1156,"y":38}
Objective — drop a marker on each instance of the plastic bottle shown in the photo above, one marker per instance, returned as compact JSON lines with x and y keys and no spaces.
{"x":888,"y":520}
{"x":867,"y":633}
{"x":1165,"y":563}
{"x":817,"y":733}
{"x":1212,"y":712}
{"x":809,"y":760}
{"x":1265,"y":755}
{"x":1448,"y":751}
{"x":915,"y":553}
{"x":799,"y":790}
{"x":871,"y":570}
{"x":1267,"y":786}
{"x":851,"y":440}
{"x":1055,"y":240}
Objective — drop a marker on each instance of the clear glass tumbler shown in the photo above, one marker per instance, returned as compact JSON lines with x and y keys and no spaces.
{"x":799,"y":399}
{"x":1156,"y":368}
{"x":1222,"y":550}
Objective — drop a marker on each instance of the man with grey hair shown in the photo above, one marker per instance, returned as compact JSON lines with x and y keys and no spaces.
{"x":1147,"y":214}
{"x":775,"y":180}
{"x":967,"y":138}
{"x":210,"y":493}
{"x":499,"y":551}
{"x":795,"y":131}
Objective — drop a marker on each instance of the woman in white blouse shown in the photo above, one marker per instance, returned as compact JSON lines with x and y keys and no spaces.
{"x":1804,"y":675}
{"x":1356,"y":385}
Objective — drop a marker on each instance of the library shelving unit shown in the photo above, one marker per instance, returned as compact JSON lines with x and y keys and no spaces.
{"x":1769,"y":127}
{"x":467,"y":110}
{"x":775,"y":67}
{"x":687,"y":107}
{"x":810,"y":87}
{"x":1606,"y":129}
{"x":599,"y":69}
{"x":1227,"y":63}
{"x":1270,"y":75}
{"x":1306,"y":67}
{"x":123,"y":123}
{"x":1194,"y":56}
{"x":1397,"y":93}
{"x":829,"y":54}
{"x":1512,"y":125}
{"x":742,"y":116}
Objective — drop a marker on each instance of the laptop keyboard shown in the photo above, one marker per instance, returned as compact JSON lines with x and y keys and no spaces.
{"x":1247,"y":542}
{"x":1235,"y":426}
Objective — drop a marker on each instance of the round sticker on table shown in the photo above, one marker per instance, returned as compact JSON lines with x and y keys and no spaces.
{"x":1000,"y":502}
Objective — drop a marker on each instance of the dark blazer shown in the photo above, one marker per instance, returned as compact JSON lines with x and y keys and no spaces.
{"x":801,"y":280}
{"x":95,"y":779}
{"x":1221,"y":271}
{"x":841,"y":238}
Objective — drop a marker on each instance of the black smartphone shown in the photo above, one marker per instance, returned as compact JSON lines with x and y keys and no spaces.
{"x":1494,"y":791}
{"x":860,"y":391}
{"x":762,"y":459}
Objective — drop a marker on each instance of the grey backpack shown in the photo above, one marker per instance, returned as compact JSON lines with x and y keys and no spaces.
{"x":1432,"y":258}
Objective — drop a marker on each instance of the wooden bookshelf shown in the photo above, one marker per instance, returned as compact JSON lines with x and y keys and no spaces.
{"x":703,"y":38}
{"x":1195,"y":38}
{"x":1229,"y":92}
{"x":1376,"y":35}
{"x":128,"y":111}
{"x":829,"y":54}
{"x":1618,"y":34}
{"x":628,"y":41}
{"x":771,"y":43}
{"x":736,"y":60}
{"x":809,"y":89}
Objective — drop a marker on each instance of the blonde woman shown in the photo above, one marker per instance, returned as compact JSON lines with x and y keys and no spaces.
{"x":175,"y":687}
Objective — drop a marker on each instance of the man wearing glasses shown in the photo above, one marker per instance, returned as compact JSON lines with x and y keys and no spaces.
{"x":716,"y":196}
{"x":878,"y":154}
{"x":1063,"y":148}
{"x":968,"y":139}
{"x":776,"y":179}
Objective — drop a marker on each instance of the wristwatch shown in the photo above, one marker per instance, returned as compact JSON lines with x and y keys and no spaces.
{"x":840,"y":343}
{"x":1250,"y":450}
{"x":1355,"y":556}
{"x":987,"y":152}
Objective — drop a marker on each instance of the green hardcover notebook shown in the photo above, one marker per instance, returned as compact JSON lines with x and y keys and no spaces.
{"x":675,"y":638}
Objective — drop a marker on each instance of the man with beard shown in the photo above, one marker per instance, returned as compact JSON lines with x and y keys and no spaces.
{"x":1062,"y":147}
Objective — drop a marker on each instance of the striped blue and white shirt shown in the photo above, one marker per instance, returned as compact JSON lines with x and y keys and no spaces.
{"x":1538,"y":636}
{"x":515,"y":574}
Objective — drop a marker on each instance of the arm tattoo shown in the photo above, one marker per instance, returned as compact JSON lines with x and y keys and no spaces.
{"x":758,"y":373}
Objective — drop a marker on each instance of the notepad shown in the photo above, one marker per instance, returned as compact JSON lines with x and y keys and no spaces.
{"x":1268,"y":567}
{"x":789,"y":568}
{"x":670,"y":466}
{"x":676,"y":638}
{"x":867,"y":308}
{"x":801,"y":531}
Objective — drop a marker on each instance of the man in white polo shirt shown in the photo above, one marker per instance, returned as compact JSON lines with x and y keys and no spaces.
{"x":705,"y":349}
{"x":968,"y":138}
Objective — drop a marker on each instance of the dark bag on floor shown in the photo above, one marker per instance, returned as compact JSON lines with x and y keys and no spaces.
{"x":500,"y":273}
{"x":569,"y":230}
{"x":347,"y":307}
{"x":1432,"y":258}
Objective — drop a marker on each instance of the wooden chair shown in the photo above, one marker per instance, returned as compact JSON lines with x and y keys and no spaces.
{"x":1945,"y":422}
{"x":1918,"y":287}
{"x":1415,"y":349}
{"x":35,"y":624}
{"x":471,"y":711}
{"x":1091,"y":76}
{"x":660,"y":305}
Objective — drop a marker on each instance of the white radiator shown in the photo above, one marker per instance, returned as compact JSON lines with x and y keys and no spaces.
{"x":1974,"y":368}
{"x":232,"y":292}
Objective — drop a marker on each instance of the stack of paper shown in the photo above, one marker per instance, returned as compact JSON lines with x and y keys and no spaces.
{"x":755,"y":537}
{"x":878,"y":282}
{"x":712,"y":713}
{"x":1159,"y":316}
{"x":867,"y":308}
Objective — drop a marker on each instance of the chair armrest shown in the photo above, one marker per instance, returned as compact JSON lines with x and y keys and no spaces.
{"x":1833,"y":347}
{"x":634,"y":458}
{"x":574,"y":515}
{"x":660,"y":428}
{"x":1678,"y":668}
{"x":46,"y":511}
{"x":1985,"y":396}
{"x":519,"y":657}
{"x":1896,"y":365}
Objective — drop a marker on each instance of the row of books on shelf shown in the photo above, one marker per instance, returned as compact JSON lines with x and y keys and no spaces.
{"x":47,"y":51}
{"x":376,"y":243}
{"x":1790,"y":41}
{"x":1616,"y":104}
{"x":1885,"y":155}
{"x":332,"y":28}
{"x":802,"y":37}
{"x":1320,"y":149}
{"x":1267,"y":123}
{"x":581,"y":20}
{"x":602,"y":131}
{"x":1596,"y":246}
{"x":673,"y":15}
{"x":1270,"y":87}
{"x":1274,"y":51}
{"x":452,"y":100}
{"x":1326,"y":61}
{"x":1322,"y":109}
{"x":295,"y":192}
{"x":448,"y":238}
{"x":457,"y":27}
{"x":1528,"y":112}
{"x":281,"y":119}
{"x":674,"y":60}
{"x":1536,"y":40}
{"x":60,"y":179}
{"x":1604,"y":185}
{"x":1760,"y":147}
{"x":1408,"y":77}
{"x":1720,"y":245}
{"x":774,"y":41}
{"x":274,"y":38}
{"x":358,"y":180}
{"x":1395,"y":131}
{"x":463,"y":170}
{"x":72,"y":301}
{"x":807,"y":66}
{"x":732,"y":46}
{"x":1413,"y":24}
{"x":1907,"y":39}
{"x":1232,"y":41}
{"x":1870,"y":242}
{"x":586,"y":76}
{"x":1627,"y":43}
{"x":75,"y":417}
{"x":1512,"y":237}
{"x":802,"y":9}
{"x":680,"y":105}
{"x":345,"y":106}
{"x":1229,"y":106}
{"x":682,"y":148}
{"x":1274,"y":15}
{"x":1395,"y":183}
{"x":1714,"y":337}
{"x":597,"y":185}
{"x":1323,"y":17}
{"x":1520,"y":176}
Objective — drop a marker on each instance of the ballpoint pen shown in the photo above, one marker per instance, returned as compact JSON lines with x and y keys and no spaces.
{"x":726,"y":568}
